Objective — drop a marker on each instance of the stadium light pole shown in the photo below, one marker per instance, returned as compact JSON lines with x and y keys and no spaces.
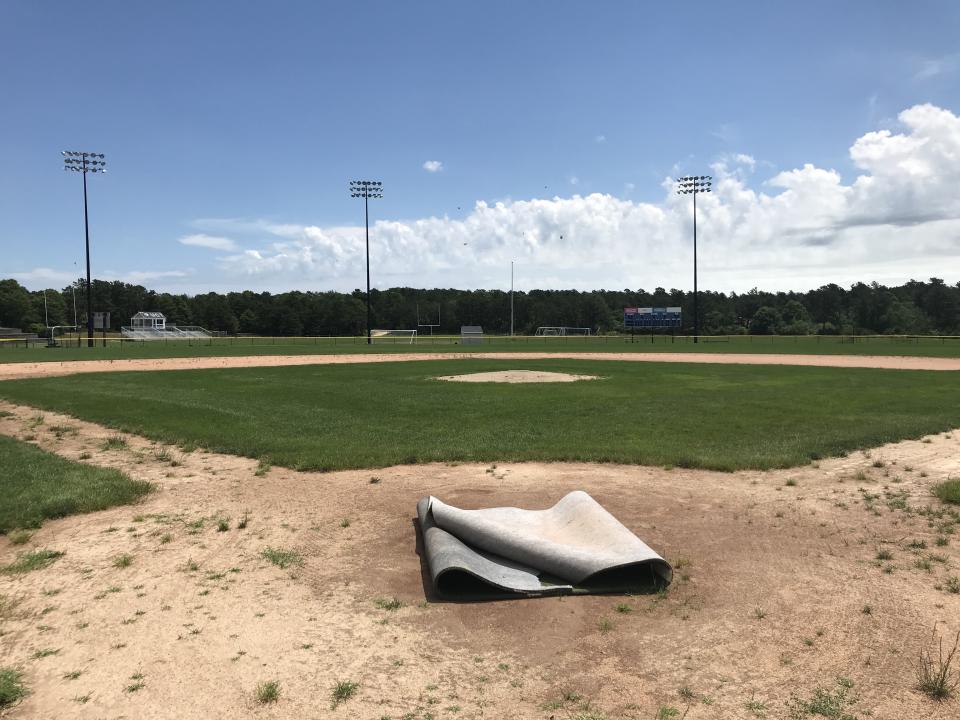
{"x":367,"y":189}
{"x":84,"y":162}
{"x":694,"y":185}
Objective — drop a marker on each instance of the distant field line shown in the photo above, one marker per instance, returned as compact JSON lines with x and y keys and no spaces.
{"x":13,"y":371}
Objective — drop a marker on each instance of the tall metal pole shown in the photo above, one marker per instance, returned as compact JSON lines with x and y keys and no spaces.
{"x":86,"y":232}
{"x":693,"y":185}
{"x":84,"y":162}
{"x":367,"y":189}
{"x":511,"y":298}
{"x":696,"y":293}
{"x":366,"y":218}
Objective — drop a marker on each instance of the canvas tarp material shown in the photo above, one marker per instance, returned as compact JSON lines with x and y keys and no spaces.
{"x":574,"y":547}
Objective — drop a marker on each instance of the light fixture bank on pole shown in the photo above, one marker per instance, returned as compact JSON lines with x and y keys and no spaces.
{"x":693,"y":185}
{"x":367,"y":189}
{"x":84,"y":162}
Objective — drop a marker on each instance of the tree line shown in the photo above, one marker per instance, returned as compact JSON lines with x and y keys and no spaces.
{"x":916,"y":307}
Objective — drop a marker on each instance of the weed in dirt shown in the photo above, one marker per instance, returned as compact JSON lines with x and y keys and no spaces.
{"x":19,"y":537}
{"x":263,"y":467}
{"x":32,"y":560}
{"x":878,"y":463}
{"x":242,"y":522}
{"x":665,"y":712}
{"x":884,"y":554}
{"x":624,"y":608}
{"x":686,"y":693}
{"x":223,"y":524}
{"x":604,"y":625}
{"x":756,"y":707}
{"x":12,"y":689}
{"x":191,"y":566}
{"x":825,"y":703}
{"x":343,"y":691}
{"x":934,"y":675}
{"x":867,"y":610}
{"x":84,"y":455}
{"x":924,"y":473}
{"x":375,"y":480}
{"x":116,"y":442}
{"x":942,"y":541}
{"x":791,"y":482}
{"x":8,"y":605}
{"x":952,"y":585}
{"x":166,"y":538}
{"x":45,"y":652}
{"x":917,"y":545}
{"x":388,"y":603}
{"x":759,"y":613}
{"x":923,"y":564}
{"x":345,"y":523}
{"x":282,"y":558}
{"x":137,"y":684}
{"x":124,"y":560}
{"x":72,"y":675}
{"x":948,"y":491}
{"x":162,"y":455}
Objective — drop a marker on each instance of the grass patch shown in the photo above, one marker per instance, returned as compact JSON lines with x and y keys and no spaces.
{"x":697,"y":416}
{"x":117,"y":442}
{"x":36,"y":485}
{"x":12,"y":688}
{"x":934,"y":676}
{"x":948,"y":491}
{"x":343,"y":691}
{"x":20,"y":537}
{"x":282,"y":558}
{"x":831,"y":704}
{"x":267,"y":692}
{"x":124,"y":560}
{"x":33,"y":560}
{"x":388,"y":603}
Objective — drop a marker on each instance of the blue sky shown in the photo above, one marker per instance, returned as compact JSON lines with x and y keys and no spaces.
{"x":232,"y":129}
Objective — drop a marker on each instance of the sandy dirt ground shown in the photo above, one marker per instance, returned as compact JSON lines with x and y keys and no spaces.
{"x":517,"y":376}
{"x":778,"y":591}
{"x":13,"y":371}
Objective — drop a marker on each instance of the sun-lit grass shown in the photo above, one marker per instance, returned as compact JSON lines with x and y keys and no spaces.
{"x":32,"y":560}
{"x":948,"y":491}
{"x":12,"y":688}
{"x":37,"y":485}
{"x":374,"y":415}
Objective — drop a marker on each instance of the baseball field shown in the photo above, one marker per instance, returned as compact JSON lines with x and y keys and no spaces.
{"x":217,"y":531}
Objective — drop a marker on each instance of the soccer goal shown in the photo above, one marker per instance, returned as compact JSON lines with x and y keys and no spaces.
{"x":380,"y":337}
{"x":561,"y":331}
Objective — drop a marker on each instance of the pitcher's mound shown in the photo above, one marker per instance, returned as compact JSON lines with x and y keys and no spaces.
{"x":518,"y":376}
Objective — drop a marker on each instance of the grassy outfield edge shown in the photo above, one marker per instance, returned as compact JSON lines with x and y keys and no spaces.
{"x":227,"y":347}
{"x":37,"y":485}
{"x":378,"y":414}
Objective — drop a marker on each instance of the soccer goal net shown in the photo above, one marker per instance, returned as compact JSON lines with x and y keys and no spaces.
{"x":393,"y":336}
{"x":564,"y":331}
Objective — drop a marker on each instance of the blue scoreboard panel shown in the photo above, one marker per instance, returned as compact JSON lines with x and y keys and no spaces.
{"x":651,"y":318}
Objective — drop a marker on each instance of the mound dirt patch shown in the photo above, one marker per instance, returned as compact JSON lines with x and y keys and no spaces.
{"x":784,"y":581}
{"x":517,"y":376}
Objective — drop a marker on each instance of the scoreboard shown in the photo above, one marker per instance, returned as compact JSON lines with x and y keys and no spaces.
{"x":651,"y":317}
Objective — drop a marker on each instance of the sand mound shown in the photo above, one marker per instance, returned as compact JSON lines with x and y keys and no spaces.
{"x":517,"y":376}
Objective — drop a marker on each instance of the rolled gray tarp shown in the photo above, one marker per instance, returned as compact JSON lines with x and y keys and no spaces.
{"x":574,"y":547}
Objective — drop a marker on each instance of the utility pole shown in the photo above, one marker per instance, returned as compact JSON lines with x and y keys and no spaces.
{"x":367,"y":189}
{"x":693,"y":185}
{"x":511,"y":298}
{"x":84,"y":162}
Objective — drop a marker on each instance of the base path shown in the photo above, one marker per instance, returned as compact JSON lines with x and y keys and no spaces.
{"x":13,"y":371}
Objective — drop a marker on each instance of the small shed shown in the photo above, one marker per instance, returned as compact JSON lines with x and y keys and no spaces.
{"x":471,"y":335}
{"x":148,"y":321}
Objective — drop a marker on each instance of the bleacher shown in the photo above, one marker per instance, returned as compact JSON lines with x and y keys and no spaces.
{"x":169,"y":332}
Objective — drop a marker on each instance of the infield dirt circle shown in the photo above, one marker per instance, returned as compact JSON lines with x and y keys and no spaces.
{"x":517,"y":376}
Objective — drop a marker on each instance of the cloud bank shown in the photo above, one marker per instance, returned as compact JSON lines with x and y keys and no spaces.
{"x":898,"y":218}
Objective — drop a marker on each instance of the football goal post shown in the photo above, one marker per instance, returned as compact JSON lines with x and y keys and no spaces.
{"x":381,"y":337}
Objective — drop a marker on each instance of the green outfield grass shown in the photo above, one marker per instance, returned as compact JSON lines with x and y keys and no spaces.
{"x":377,"y":414}
{"x":814,"y":344}
{"x":37,"y":485}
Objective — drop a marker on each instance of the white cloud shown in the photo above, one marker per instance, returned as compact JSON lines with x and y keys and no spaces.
{"x":433,"y":166}
{"x":600,"y":139}
{"x":573,"y":180}
{"x":932,"y":67}
{"x":40,"y":275}
{"x":209,"y":241}
{"x":898,"y":218}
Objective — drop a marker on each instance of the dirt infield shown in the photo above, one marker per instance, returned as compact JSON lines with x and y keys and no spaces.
{"x":13,"y":371}
{"x":780,"y":588}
